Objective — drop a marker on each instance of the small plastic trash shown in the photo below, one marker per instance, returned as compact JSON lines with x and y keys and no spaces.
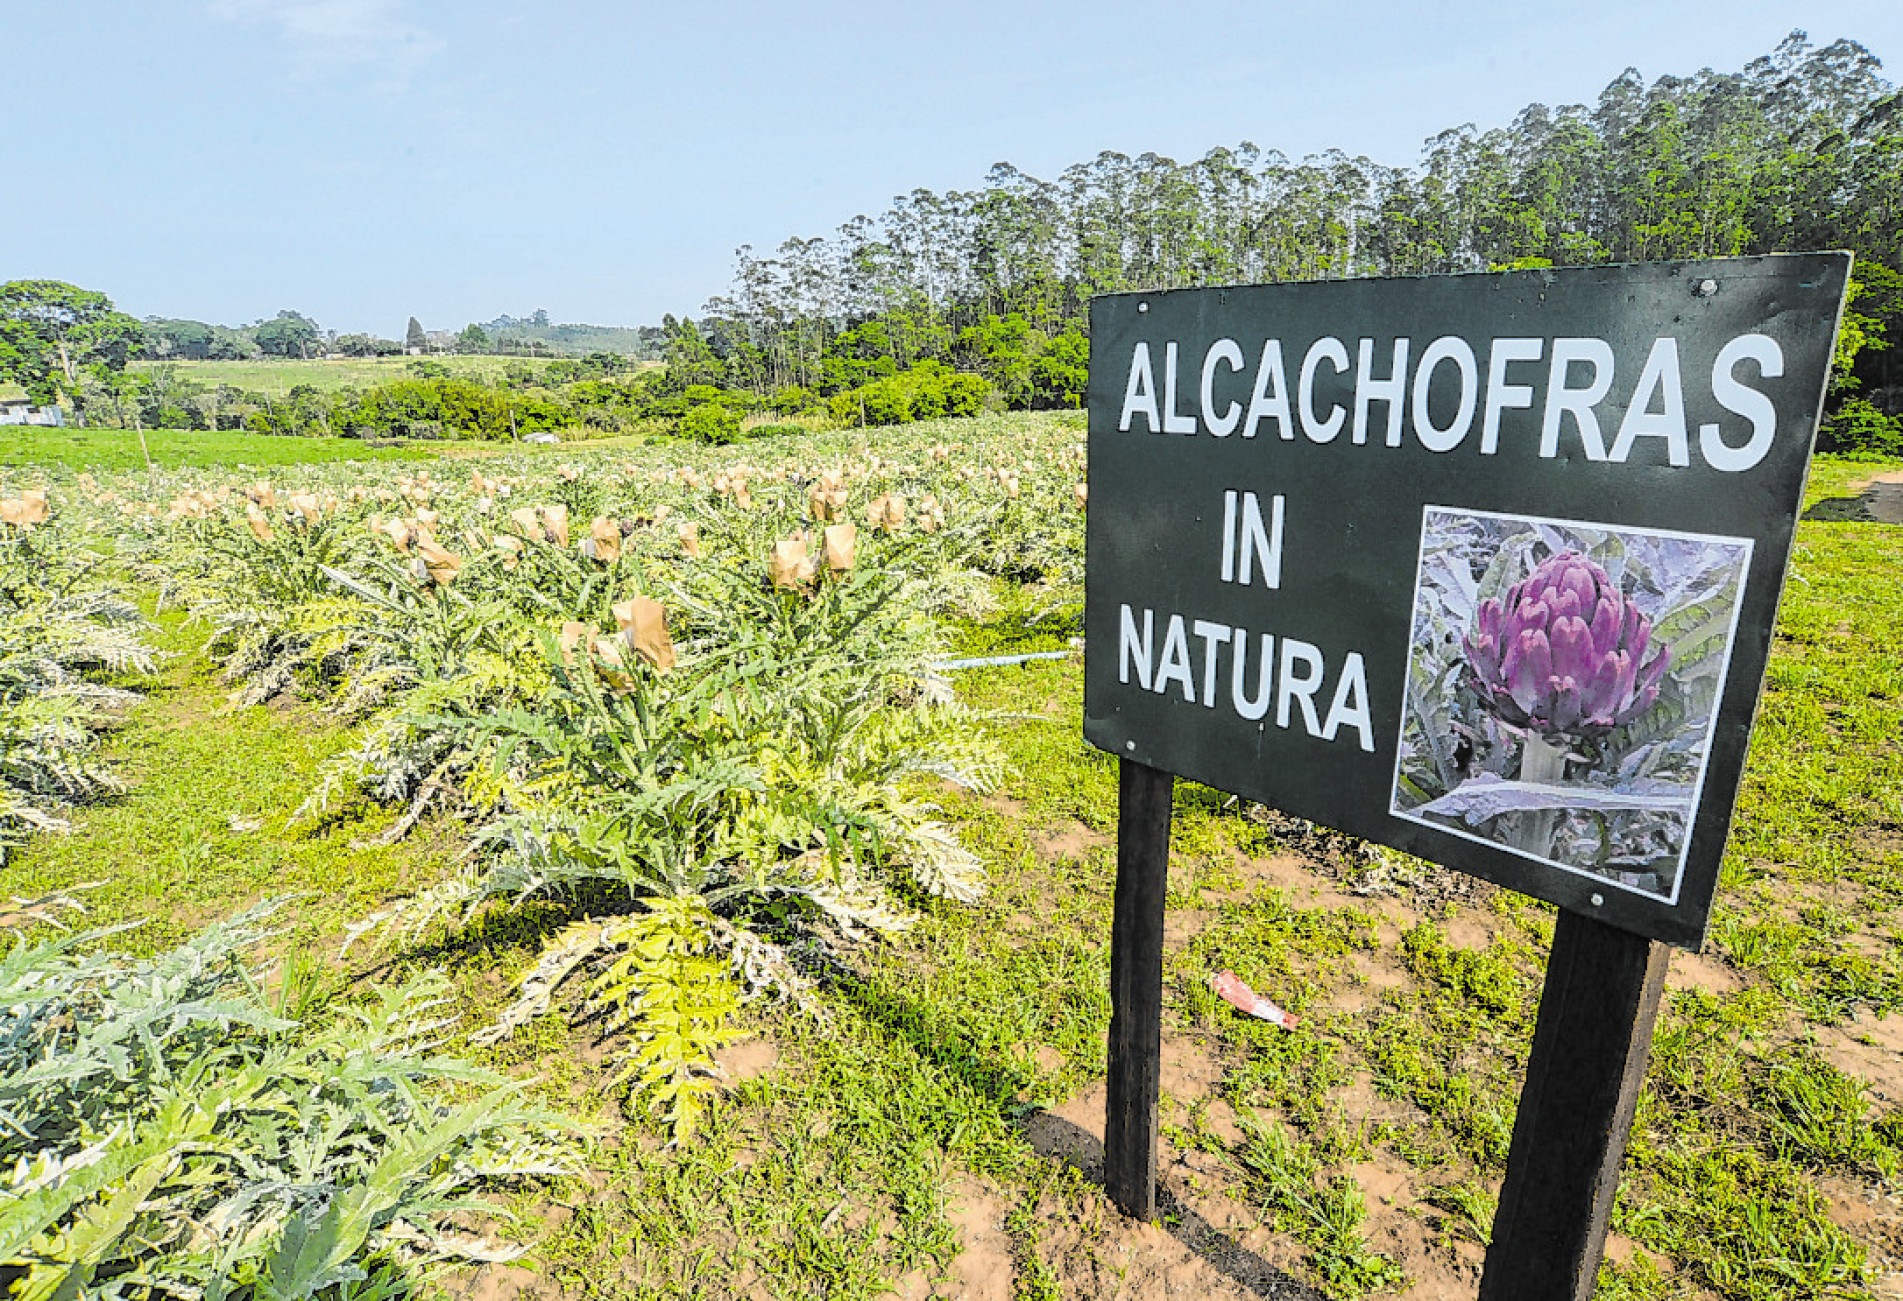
{"x":1229,"y":987}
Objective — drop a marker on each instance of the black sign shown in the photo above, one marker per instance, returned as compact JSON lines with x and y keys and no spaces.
{"x":1480,"y":567}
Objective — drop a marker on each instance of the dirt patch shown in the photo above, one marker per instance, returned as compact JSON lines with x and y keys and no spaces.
{"x":1883,"y":499}
{"x":1470,"y":930}
{"x":747,"y":1060}
{"x":1871,"y":1049}
{"x":1209,"y":1244}
{"x":1439,"y":1267}
{"x":1386,"y":1182}
{"x":1072,"y":1131}
{"x":1299,"y":878}
{"x":598,"y":1052}
{"x":1360,"y":1101}
{"x":983,"y":1270}
{"x":1880,"y":502}
{"x":1074,"y":841}
{"x":1882,"y":841}
{"x":1875,"y":1219}
{"x":1702,"y":971}
{"x":1181,"y":925}
{"x":1189,"y":1069}
{"x":506,"y":1283}
{"x":1004,"y":805}
{"x":1102,"y":1255}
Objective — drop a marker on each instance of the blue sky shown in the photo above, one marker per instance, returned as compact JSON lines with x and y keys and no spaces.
{"x":365,"y":160}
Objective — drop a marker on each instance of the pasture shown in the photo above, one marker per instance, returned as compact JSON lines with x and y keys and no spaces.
{"x":275,"y":377}
{"x":172,"y":449}
{"x":792,"y":945}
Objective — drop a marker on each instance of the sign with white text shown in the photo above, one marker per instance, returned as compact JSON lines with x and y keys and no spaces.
{"x":1481,"y":567}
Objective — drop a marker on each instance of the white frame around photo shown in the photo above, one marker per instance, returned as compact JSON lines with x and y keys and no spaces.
{"x":1711,"y":720}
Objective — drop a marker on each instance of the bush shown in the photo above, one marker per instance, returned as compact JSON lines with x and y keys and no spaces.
{"x":794,"y":399}
{"x":928,"y":391}
{"x":1858,"y":428}
{"x":710,"y":422}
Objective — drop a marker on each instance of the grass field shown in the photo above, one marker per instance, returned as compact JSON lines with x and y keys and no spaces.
{"x":171,"y":449}
{"x":275,"y":377}
{"x":940,"y":1134}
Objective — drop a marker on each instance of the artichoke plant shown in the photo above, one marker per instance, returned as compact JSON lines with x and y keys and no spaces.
{"x":1565,"y":654}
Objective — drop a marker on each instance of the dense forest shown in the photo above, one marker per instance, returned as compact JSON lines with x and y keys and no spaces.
{"x":1801,"y":150}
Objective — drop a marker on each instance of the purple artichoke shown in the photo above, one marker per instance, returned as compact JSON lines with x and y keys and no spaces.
{"x":1565,"y":653}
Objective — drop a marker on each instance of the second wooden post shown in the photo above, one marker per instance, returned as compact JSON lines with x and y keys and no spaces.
{"x":1136,"y":987}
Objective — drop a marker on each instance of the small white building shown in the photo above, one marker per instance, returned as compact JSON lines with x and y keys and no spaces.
{"x":18,"y":409}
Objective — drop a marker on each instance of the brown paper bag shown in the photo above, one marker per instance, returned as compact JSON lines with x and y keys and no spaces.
{"x":887,"y":513}
{"x":790,"y":567}
{"x":260,"y":526}
{"x":643,"y":624}
{"x":827,"y":498}
{"x":441,"y":564}
{"x":840,"y":540}
{"x":931,"y":516}
{"x":526,"y":523}
{"x":555,"y":524}
{"x":572,"y":635}
{"x":610,"y":664}
{"x":689,"y":535}
{"x":604,"y":540}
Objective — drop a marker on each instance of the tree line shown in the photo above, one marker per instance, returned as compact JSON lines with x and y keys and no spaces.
{"x":293,"y":335}
{"x":597,"y":395}
{"x":1802,"y":149}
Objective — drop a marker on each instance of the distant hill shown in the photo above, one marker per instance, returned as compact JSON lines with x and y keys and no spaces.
{"x":293,"y":335}
{"x":506,"y":333}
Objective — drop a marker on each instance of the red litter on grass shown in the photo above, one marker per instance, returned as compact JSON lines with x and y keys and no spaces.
{"x":1229,"y":987}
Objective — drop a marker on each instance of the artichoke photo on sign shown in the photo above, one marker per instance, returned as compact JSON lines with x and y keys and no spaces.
{"x":1562,"y":688}
{"x":1561,"y":654}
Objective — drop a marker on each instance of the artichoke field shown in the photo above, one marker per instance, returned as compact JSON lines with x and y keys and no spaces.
{"x":690,"y":697}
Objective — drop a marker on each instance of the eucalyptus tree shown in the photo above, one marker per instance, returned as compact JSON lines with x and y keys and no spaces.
{"x":1802,"y":148}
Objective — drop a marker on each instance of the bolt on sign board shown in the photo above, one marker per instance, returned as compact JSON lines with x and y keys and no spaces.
{"x":1480,"y":567}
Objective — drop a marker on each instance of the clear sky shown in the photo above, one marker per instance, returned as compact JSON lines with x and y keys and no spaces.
{"x":366,"y":160}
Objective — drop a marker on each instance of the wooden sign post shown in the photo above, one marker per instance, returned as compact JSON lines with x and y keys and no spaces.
{"x":1480,"y":567}
{"x":1136,"y":987}
{"x":1582,"y":1085}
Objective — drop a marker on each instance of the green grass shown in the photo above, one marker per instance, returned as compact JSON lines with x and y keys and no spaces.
{"x":204,"y":829}
{"x":838,"y":1170}
{"x":276,"y":377}
{"x":118,"y":449}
